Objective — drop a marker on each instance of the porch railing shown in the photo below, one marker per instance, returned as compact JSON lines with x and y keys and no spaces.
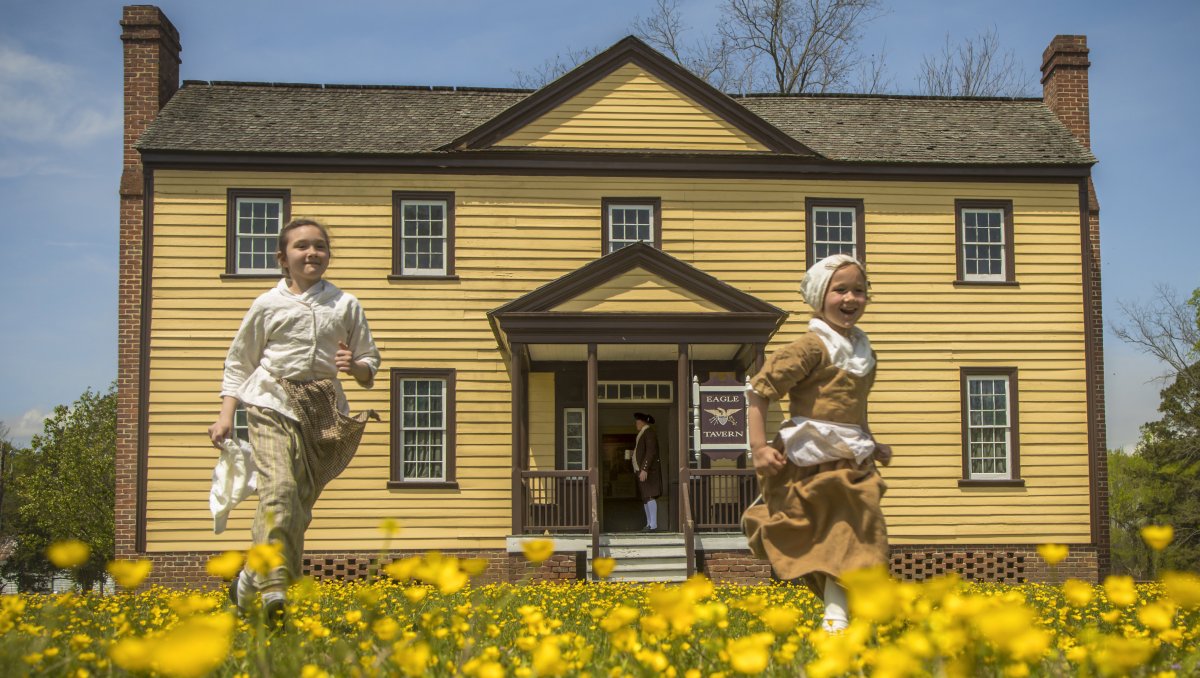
{"x":720,"y":496}
{"x":556,"y":501}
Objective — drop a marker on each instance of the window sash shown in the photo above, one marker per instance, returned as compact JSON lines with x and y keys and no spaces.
{"x":989,"y":427}
{"x":833,"y":231}
{"x":423,"y":429}
{"x":629,"y":224}
{"x":423,"y":229}
{"x":241,"y":424}
{"x":983,"y":243}
{"x":635,"y":391}
{"x":256,"y":234}
{"x":574,"y":439}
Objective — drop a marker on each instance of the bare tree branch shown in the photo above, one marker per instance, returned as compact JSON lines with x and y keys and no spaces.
{"x":710,"y":58}
{"x":1165,"y":328}
{"x":553,"y":68}
{"x":873,"y":77}
{"x":976,"y":67}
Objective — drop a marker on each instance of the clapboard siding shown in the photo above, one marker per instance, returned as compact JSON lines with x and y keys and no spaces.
{"x":630,"y":108}
{"x":514,"y":234}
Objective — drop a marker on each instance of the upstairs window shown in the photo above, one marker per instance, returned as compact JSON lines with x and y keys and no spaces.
{"x":631,"y":220}
{"x":254,"y":218}
{"x":985,"y":241}
{"x":835,"y":226}
{"x":422,"y":234}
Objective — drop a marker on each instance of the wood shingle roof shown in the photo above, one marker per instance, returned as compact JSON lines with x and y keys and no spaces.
{"x":347,"y":120}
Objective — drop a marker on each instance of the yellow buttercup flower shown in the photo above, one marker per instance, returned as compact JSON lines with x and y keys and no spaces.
{"x":227,"y":565}
{"x":750,"y":655}
{"x":538,"y":550}
{"x":1157,"y":616}
{"x":131,"y":654}
{"x":1077,"y":593}
{"x":413,"y":660}
{"x":781,"y":620}
{"x":193,"y":648}
{"x":313,"y":671}
{"x":390,"y":527}
{"x":402,"y":570}
{"x":262,"y":558}
{"x":547,"y":659}
{"x":385,"y":629}
{"x":1053,"y":554}
{"x":603,"y":567}
{"x":1183,"y":588}
{"x":1158,"y":537}
{"x":1120,"y":590}
{"x":69,"y":553}
{"x":1117,"y":655}
{"x":191,"y":604}
{"x":129,"y":574}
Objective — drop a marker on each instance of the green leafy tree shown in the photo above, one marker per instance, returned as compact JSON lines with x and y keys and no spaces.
{"x":23,"y":544}
{"x":67,"y":490}
{"x":1160,"y":482}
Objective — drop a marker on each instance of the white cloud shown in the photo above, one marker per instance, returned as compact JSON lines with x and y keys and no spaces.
{"x":45,"y":102}
{"x":25,"y":426}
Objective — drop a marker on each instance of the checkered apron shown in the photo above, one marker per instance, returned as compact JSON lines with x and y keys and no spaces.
{"x":331,"y":438}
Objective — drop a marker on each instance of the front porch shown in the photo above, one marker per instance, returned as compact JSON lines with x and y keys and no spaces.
{"x":633,"y":331}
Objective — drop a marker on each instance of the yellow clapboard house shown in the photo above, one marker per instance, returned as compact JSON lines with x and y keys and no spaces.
{"x":538,"y":265}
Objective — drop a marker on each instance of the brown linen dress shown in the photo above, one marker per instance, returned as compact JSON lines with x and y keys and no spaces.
{"x":824,"y":520}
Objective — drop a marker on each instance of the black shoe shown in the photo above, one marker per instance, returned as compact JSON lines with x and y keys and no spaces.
{"x":233,"y":596}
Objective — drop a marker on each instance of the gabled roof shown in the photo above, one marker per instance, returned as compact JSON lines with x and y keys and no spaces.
{"x":628,"y":50}
{"x":637,"y":255}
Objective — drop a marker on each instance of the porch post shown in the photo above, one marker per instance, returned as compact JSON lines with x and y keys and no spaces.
{"x":520,"y":435}
{"x":683,"y":384}
{"x":593,"y":445}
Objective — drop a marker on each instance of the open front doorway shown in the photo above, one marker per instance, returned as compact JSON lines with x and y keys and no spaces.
{"x":620,"y":506}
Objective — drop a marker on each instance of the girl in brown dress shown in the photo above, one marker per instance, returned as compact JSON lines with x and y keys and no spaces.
{"x":820,"y":514}
{"x":645,"y":461}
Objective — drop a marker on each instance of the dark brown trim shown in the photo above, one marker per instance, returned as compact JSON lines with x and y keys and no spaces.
{"x":628,"y":50}
{"x":639,"y":328}
{"x":518,"y":369}
{"x":1014,"y":418}
{"x":422,"y":278}
{"x":644,"y":256}
{"x":655,"y":205}
{"x":980,"y":482}
{"x":232,"y":195}
{"x":250,"y":276}
{"x":860,"y":230}
{"x":1094,"y":379}
{"x":421,"y":485}
{"x":617,"y":164}
{"x":395,"y":478}
{"x":1010,"y":276}
{"x":143,"y":413}
{"x":398,"y":197}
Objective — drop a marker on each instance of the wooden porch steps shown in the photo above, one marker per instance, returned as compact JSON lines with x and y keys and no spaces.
{"x":644,"y":556}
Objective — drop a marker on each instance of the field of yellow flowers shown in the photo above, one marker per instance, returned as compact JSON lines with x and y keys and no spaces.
{"x":421,"y":616}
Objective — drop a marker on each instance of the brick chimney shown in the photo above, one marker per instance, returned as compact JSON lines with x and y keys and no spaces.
{"x":1065,"y":84}
{"x":1065,"y":90}
{"x":151,"y":79}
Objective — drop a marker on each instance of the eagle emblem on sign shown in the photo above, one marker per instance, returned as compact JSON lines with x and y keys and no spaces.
{"x":723,"y":415}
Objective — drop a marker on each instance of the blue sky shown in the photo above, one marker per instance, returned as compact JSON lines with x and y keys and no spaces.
{"x":60,"y":136}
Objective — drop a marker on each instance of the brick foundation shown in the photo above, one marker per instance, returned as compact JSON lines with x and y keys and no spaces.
{"x":1008,"y":564}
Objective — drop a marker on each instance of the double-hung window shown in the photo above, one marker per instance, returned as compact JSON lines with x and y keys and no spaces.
{"x":254,"y":218}
{"x":422,"y":234}
{"x":990,"y":432}
{"x":630,"y":220}
{"x":423,"y":428}
{"x":984,"y":234}
{"x":835,"y":226}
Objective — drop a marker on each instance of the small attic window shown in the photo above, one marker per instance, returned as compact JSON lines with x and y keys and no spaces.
{"x":631,"y":220}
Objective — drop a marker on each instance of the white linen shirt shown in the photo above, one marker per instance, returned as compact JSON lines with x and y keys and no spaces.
{"x":295,"y":336}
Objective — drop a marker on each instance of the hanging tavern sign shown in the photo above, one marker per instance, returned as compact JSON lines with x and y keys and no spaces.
{"x":721,"y":416}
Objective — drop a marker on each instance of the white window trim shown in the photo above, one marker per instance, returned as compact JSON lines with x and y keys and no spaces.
{"x":853,"y":212}
{"x":625,"y":242}
{"x":238,"y":235}
{"x":568,"y":412}
{"x":602,"y":391}
{"x":989,"y":277}
{"x":404,"y":430}
{"x":404,"y":240}
{"x":1007,"y":428}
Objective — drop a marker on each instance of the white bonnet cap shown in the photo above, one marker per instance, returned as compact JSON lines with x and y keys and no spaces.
{"x":816,"y":280}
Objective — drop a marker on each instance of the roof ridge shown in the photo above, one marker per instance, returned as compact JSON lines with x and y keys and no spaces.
{"x":307,"y":85}
{"x":852,"y":95}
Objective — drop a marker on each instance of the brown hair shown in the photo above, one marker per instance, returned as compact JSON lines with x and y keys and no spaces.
{"x":281,"y":249}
